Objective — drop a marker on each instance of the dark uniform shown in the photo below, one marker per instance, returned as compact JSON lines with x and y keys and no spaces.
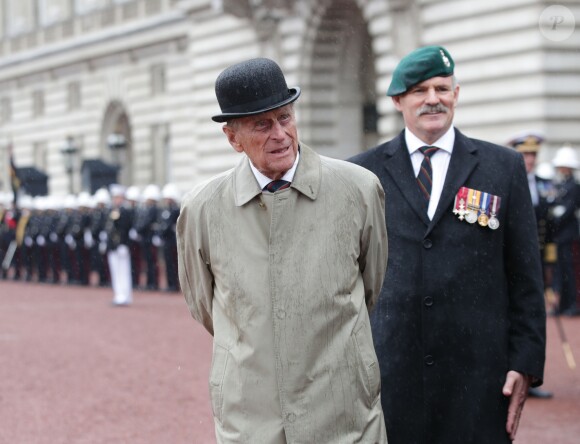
{"x":566,"y":230}
{"x":146,"y":226}
{"x":99,"y":218}
{"x":167,"y":222}
{"x":117,"y":229}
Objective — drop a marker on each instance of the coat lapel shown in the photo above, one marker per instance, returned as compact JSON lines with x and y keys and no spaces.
{"x":463,"y":161}
{"x":398,"y":164}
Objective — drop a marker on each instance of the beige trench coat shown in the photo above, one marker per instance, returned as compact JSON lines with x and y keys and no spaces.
{"x":283,"y":281}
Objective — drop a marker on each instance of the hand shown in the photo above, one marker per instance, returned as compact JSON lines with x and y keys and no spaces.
{"x":516,"y":387}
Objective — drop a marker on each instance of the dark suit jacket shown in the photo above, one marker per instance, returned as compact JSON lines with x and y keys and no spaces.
{"x":461,"y":304}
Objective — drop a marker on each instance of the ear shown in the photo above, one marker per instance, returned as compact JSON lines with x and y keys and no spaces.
{"x":231,"y":135}
{"x":456,"y":95}
{"x":397,"y":102}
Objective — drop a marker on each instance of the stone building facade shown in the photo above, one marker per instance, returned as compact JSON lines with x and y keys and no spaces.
{"x":131,"y":82}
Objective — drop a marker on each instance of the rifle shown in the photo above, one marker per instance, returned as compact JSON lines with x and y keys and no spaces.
{"x":9,"y":255}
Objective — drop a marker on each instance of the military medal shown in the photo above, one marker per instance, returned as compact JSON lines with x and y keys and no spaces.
{"x":459,"y":206}
{"x":472,"y":206}
{"x":493,"y":221}
{"x":483,"y":218}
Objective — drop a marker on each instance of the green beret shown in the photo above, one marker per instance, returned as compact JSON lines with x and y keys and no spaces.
{"x":420,"y":65}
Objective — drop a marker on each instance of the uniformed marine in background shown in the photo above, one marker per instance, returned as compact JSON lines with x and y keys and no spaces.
{"x":64,"y":240}
{"x":99,"y":217}
{"x":40,"y":252}
{"x":566,"y":229}
{"x":9,"y":224}
{"x":52,"y":241}
{"x":86,"y":244}
{"x":25,"y":231}
{"x":146,"y":225}
{"x":132,"y":198}
{"x":117,"y":229}
{"x":166,"y":228}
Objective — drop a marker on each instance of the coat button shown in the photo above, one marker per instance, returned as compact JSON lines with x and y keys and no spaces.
{"x":427,"y":243}
{"x":428,"y":301}
{"x":281,"y":314}
{"x":291,"y":417}
{"x":429,"y":360}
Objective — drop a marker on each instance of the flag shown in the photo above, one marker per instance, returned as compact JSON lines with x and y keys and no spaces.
{"x":14,"y":179}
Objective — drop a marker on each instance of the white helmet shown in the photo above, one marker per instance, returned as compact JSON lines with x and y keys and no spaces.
{"x":70,"y":202}
{"x":84,"y":199}
{"x":102,"y":196}
{"x":133,"y":193}
{"x":545,"y":170}
{"x":151,"y":192}
{"x":25,"y":202}
{"x":566,"y":158}
{"x":170,"y":191}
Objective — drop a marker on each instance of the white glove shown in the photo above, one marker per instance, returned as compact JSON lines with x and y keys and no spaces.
{"x":88,"y":238}
{"x":69,"y":239}
{"x":102,"y":247}
{"x":53,"y":237}
{"x":133,"y":234}
{"x":103,"y":236}
{"x":156,"y":240}
{"x":28,"y":241}
{"x":40,"y":240}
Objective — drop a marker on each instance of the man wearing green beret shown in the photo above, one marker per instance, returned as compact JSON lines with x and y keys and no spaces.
{"x":459,"y":327}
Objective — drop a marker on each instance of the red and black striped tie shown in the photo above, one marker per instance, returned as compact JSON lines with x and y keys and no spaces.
{"x":276,"y":185}
{"x":425,"y":176}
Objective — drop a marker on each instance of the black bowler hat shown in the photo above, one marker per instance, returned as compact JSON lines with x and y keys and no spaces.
{"x":252,"y":87}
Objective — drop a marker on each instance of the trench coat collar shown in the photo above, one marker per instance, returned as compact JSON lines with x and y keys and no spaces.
{"x":398,"y":164}
{"x":306,"y":179}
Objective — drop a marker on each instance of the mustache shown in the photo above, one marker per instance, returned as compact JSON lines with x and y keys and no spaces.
{"x":428,"y":109}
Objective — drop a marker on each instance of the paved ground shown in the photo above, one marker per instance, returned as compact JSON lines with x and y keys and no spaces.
{"x":74,"y":370}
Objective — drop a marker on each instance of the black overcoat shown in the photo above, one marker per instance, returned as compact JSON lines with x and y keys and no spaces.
{"x":461,"y":304}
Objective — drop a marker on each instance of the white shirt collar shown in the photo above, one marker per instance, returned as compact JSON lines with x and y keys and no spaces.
{"x":265,"y":180}
{"x":445,"y":142}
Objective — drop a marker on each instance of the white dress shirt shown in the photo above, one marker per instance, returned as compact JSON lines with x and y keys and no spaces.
{"x":439,"y":162}
{"x":265,"y":180}
{"x":533,"y":189}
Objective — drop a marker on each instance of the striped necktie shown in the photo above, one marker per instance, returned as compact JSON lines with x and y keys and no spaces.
{"x":425,"y":176}
{"x":276,"y":185}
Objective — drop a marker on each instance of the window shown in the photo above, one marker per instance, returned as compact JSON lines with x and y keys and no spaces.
{"x":160,"y":150}
{"x":40,"y":155}
{"x":5,"y":110}
{"x":74,"y":95}
{"x":53,"y":11}
{"x":157,"y":79}
{"x":86,"y":6}
{"x":37,"y":103}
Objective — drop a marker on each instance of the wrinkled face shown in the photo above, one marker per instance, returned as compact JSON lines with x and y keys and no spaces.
{"x":530,"y":161}
{"x":269,"y":139}
{"x":428,"y":107}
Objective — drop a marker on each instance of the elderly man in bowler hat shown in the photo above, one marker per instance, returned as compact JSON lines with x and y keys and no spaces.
{"x":459,"y":327}
{"x":280,"y":259}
